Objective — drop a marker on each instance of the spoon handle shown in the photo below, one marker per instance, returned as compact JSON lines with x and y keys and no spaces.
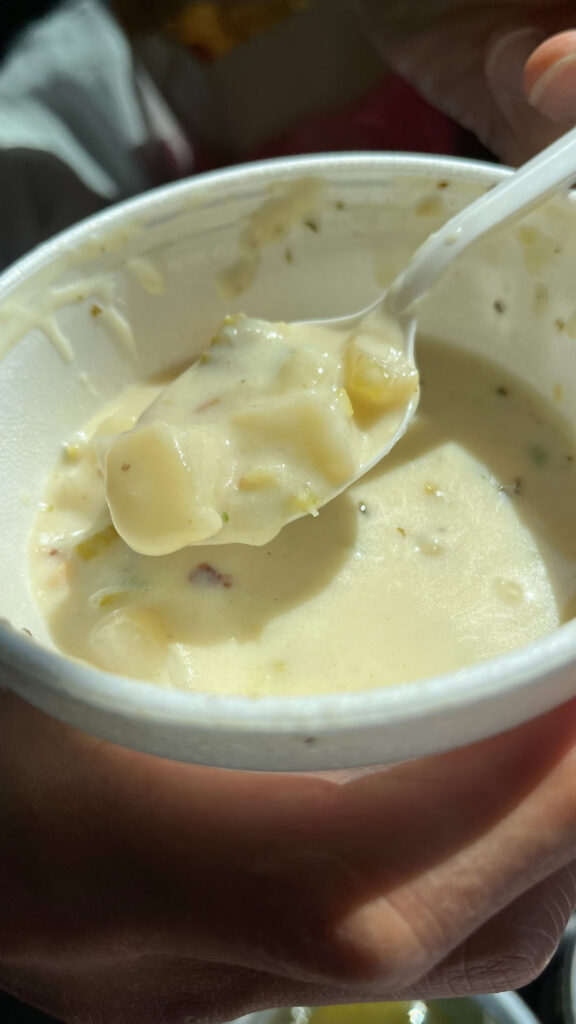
{"x":536,"y":181}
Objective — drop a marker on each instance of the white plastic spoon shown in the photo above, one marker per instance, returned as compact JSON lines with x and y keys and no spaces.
{"x":231,"y":453}
{"x":553,"y":169}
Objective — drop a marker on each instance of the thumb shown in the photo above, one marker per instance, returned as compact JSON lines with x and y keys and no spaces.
{"x":513,"y":69}
{"x":550,"y":79}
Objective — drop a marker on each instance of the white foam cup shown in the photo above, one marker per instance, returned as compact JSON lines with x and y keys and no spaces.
{"x":138,"y":289}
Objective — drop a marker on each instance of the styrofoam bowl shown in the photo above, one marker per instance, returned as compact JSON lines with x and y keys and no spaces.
{"x":153,"y":266}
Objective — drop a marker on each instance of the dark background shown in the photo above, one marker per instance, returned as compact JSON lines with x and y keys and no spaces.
{"x":14,"y":14}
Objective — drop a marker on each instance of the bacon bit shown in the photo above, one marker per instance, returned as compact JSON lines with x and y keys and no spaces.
{"x":125,"y":467}
{"x":209,"y":576}
{"x":53,"y":552}
{"x":207,"y":405}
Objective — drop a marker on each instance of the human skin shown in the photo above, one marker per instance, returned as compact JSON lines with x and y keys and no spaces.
{"x":140,"y":890}
{"x":480,"y":63}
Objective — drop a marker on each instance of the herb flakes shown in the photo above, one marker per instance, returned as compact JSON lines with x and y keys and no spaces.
{"x":538,"y":455}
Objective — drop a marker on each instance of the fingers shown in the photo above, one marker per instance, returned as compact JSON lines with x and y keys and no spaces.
{"x":366,"y":886}
{"x":486,"y":48}
{"x":550,"y":78}
{"x":517,"y":129}
{"x":513,"y":947}
{"x":508,"y":952}
{"x":421,"y":856}
{"x":398,"y":868}
{"x":532,"y":80}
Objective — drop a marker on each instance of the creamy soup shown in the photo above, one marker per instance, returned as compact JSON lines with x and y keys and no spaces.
{"x":459,"y":546}
{"x":271,"y":421}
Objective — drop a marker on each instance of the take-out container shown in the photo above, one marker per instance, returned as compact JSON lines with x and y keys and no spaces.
{"x":140,"y":288}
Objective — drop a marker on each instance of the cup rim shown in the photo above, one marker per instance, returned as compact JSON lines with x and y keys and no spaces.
{"x":159,"y":198}
{"x":464,"y":690}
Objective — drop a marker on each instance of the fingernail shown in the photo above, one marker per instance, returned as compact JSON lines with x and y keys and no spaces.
{"x":554,"y":93}
{"x":504,"y":67}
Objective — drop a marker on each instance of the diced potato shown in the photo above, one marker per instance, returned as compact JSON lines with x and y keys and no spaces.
{"x":306,"y":368}
{"x":153,"y":493}
{"x":380,"y":382}
{"x":130,"y":641}
{"x":343,"y":403}
{"x":305,"y":431}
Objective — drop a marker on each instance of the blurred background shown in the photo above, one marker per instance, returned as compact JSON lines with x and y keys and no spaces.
{"x":101,"y":99}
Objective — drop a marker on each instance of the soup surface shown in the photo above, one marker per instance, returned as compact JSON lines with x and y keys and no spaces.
{"x":458,"y":547}
{"x":267,"y":425}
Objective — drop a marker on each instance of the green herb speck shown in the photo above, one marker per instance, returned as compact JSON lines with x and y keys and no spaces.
{"x":538,"y":455}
